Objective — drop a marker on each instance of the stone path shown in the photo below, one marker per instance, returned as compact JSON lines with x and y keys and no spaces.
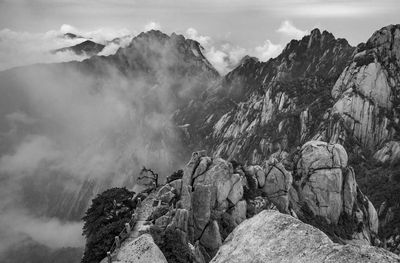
{"x":143,"y":212}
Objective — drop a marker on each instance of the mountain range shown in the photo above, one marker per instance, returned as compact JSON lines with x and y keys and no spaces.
{"x":71,"y":130}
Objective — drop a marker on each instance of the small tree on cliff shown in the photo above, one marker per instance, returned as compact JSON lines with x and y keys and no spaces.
{"x":149,"y":174}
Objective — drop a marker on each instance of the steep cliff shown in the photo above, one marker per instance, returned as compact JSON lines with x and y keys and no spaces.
{"x":215,"y":196}
{"x":262,"y":104}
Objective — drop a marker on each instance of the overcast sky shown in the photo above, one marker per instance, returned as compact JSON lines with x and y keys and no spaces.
{"x":260,"y":27}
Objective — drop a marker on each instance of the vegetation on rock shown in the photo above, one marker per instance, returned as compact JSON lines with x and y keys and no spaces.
{"x":104,"y":220}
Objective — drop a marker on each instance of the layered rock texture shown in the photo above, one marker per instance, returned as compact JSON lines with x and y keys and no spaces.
{"x":319,"y":88}
{"x":325,"y":188}
{"x":141,"y":250}
{"x":274,"y":237}
{"x":317,"y":186}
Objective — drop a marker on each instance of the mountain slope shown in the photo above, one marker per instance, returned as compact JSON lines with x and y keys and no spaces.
{"x":281,"y":101}
{"x":96,"y":122}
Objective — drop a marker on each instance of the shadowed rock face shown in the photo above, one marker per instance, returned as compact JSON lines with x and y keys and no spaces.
{"x":261,"y":104}
{"x":215,"y":196}
{"x":326,"y":195}
{"x":274,"y":237}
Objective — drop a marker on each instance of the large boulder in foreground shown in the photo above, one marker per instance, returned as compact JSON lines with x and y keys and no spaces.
{"x":141,"y":250}
{"x":274,"y":237}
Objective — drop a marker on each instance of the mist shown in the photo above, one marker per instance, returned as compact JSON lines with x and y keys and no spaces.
{"x":69,"y":131}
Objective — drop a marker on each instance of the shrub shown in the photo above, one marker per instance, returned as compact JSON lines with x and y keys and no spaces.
{"x":105,"y":219}
{"x":171,"y":244}
{"x":176,"y":175}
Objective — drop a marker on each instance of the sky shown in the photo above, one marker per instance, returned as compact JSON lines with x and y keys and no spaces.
{"x":228,"y":29}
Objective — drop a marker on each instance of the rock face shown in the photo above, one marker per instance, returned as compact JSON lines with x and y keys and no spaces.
{"x":274,"y":237}
{"x":366,"y":93}
{"x":220,"y":195}
{"x":211,"y":204}
{"x":320,"y":183}
{"x":319,"y":88}
{"x":325,"y":190}
{"x":141,"y":250}
{"x":260,"y":106}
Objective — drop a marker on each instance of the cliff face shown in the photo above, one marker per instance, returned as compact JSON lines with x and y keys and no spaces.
{"x":207,"y":210}
{"x":366,"y":93}
{"x":280,"y":101}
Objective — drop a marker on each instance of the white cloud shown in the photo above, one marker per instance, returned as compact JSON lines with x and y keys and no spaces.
{"x":152,"y":26}
{"x":288,"y":29}
{"x":268,"y":50}
{"x":28,"y":156}
{"x":47,"y":231}
{"x":222,"y":55}
{"x":23,"y":48}
{"x":193,"y":34}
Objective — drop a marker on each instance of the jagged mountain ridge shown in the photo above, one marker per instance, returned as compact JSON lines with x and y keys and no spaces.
{"x":352,"y":101}
{"x":263,"y":95}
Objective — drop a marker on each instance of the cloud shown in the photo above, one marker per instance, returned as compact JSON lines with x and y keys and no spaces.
{"x":225,"y":57}
{"x":192,"y":33}
{"x":18,"y":225}
{"x":28,"y":155}
{"x":268,"y":50}
{"x":152,"y":26}
{"x":24,"y":48}
{"x":222,"y":55}
{"x":288,"y":29}
{"x":20,"y":117}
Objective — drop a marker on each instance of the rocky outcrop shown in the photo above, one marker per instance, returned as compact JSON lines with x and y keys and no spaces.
{"x":325,"y":194}
{"x":366,"y":93}
{"x":260,"y":106}
{"x":320,"y":189}
{"x":274,"y":237}
{"x":141,"y":250}
{"x":211,"y":204}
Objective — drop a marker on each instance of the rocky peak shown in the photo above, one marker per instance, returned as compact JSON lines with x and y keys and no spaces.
{"x":367,"y":94}
{"x":154,"y":51}
{"x":248,"y":59}
{"x":315,"y":54}
{"x":314,"y":38}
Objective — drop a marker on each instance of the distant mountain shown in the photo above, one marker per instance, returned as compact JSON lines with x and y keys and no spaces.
{"x":87,"y":47}
{"x":71,"y":36}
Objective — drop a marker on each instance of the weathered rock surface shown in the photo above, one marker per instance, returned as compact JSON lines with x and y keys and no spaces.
{"x":141,"y":250}
{"x":366,"y":93}
{"x":274,"y":237}
{"x":278,"y":181}
{"x":325,"y":191}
